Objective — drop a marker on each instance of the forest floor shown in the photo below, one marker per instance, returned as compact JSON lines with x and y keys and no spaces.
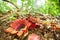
{"x":42,"y":31}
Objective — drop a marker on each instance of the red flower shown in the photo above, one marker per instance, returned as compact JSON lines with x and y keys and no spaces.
{"x":22,"y":23}
{"x":16,"y":24}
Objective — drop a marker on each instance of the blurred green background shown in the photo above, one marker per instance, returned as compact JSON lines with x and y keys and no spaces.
{"x":39,"y":6}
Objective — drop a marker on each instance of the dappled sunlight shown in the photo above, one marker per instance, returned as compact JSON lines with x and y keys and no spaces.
{"x":40,"y":3}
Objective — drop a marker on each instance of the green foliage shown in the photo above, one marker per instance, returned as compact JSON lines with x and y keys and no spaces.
{"x":4,"y":7}
{"x":53,"y":7}
{"x":14,"y":1}
{"x":50,"y":7}
{"x":12,"y":18}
